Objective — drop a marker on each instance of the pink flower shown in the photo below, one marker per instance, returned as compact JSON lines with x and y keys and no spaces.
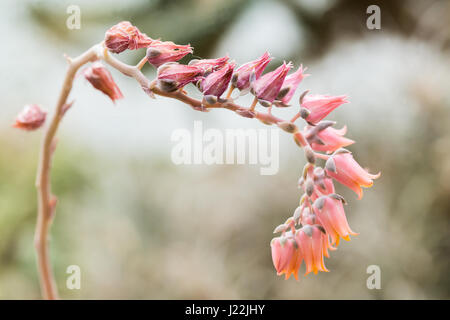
{"x":267,"y":87}
{"x":289,"y":86}
{"x":326,"y":139}
{"x":331,"y":215}
{"x":101,"y":79}
{"x":32,"y":117}
{"x":159,"y":52}
{"x":172,"y":76}
{"x":124,"y":36}
{"x":217,"y":82}
{"x":241,"y":77}
{"x":342,"y":167}
{"x":319,"y":106}
{"x":286,"y":256}
{"x":209,"y":65}
{"x":313,"y":246}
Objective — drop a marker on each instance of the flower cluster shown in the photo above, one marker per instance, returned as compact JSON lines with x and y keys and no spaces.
{"x":319,"y":222}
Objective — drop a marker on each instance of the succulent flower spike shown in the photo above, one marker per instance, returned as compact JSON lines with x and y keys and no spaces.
{"x":32,"y":117}
{"x":241,"y":77}
{"x":101,"y":79}
{"x":331,"y":215}
{"x":286,"y":255}
{"x":267,"y":87}
{"x":312,"y":244}
{"x":173,"y":76}
{"x":289,"y":86}
{"x":343,"y":168}
{"x":124,"y":36}
{"x":217,"y":82}
{"x":319,"y":106}
{"x":159,"y":52}
{"x":209,"y":65}
{"x":324,"y":138}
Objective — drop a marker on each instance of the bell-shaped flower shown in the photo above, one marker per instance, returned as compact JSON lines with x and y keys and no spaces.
{"x":101,"y":79}
{"x":32,"y":117}
{"x":241,"y":77}
{"x":173,"y":76}
{"x":209,"y":65}
{"x":267,"y":87}
{"x":326,"y":138}
{"x":217,"y":82}
{"x":319,"y":106}
{"x":124,"y":36}
{"x":331,"y":215}
{"x":159,"y":52}
{"x":289,"y":87}
{"x":313,"y":245}
{"x":342,"y":167}
{"x":286,"y":255}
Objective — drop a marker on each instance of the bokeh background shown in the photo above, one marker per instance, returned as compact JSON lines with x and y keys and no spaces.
{"x":141,"y":227}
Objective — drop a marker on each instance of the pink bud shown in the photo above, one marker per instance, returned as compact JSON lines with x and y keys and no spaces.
{"x":241,"y":77}
{"x":101,"y":79}
{"x":331,"y":215}
{"x":209,"y":65}
{"x":124,"y":36}
{"x":289,"y":86}
{"x":327,"y":140}
{"x":319,"y":106}
{"x":268,"y":86}
{"x":173,"y":76}
{"x":217,"y":82}
{"x":343,"y":168}
{"x":159,"y":52}
{"x":32,"y":117}
{"x":313,"y":246}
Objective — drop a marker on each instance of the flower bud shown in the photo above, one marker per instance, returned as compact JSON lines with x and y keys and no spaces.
{"x":319,"y":106}
{"x":217,"y":82}
{"x":268,"y":86}
{"x":124,"y":36}
{"x":101,"y":79}
{"x":287,"y":126}
{"x":209,"y":65}
{"x":241,"y":77}
{"x":159,"y":52}
{"x":289,"y":86}
{"x":32,"y":117}
{"x":173,"y":76}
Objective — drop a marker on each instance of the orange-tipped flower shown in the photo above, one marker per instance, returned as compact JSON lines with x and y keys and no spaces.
{"x":331,"y":215}
{"x":342,"y":167}
{"x":159,"y":52}
{"x":286,"y":255}
{"x":313,"y":245}
{"x":32,"y":117}
{"x":124,"y":36}
{"x":101,"y":79}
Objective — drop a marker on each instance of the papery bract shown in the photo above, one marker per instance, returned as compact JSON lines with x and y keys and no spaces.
{"x":124,"y":36}
{"x":102,"y":80}
{"x":172,"y":76}
{"x":32,"y":117}
{"x":342,"y":167}
{"x":319,"y":106}
{"x":268,"y":86}
{"x":159,"y":52}
{"x":217,"y":82}
{"x":241,"y":77}
{"x":289,"y":87}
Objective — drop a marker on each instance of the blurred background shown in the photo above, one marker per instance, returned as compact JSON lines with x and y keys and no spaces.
{"x":141,"y":227}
